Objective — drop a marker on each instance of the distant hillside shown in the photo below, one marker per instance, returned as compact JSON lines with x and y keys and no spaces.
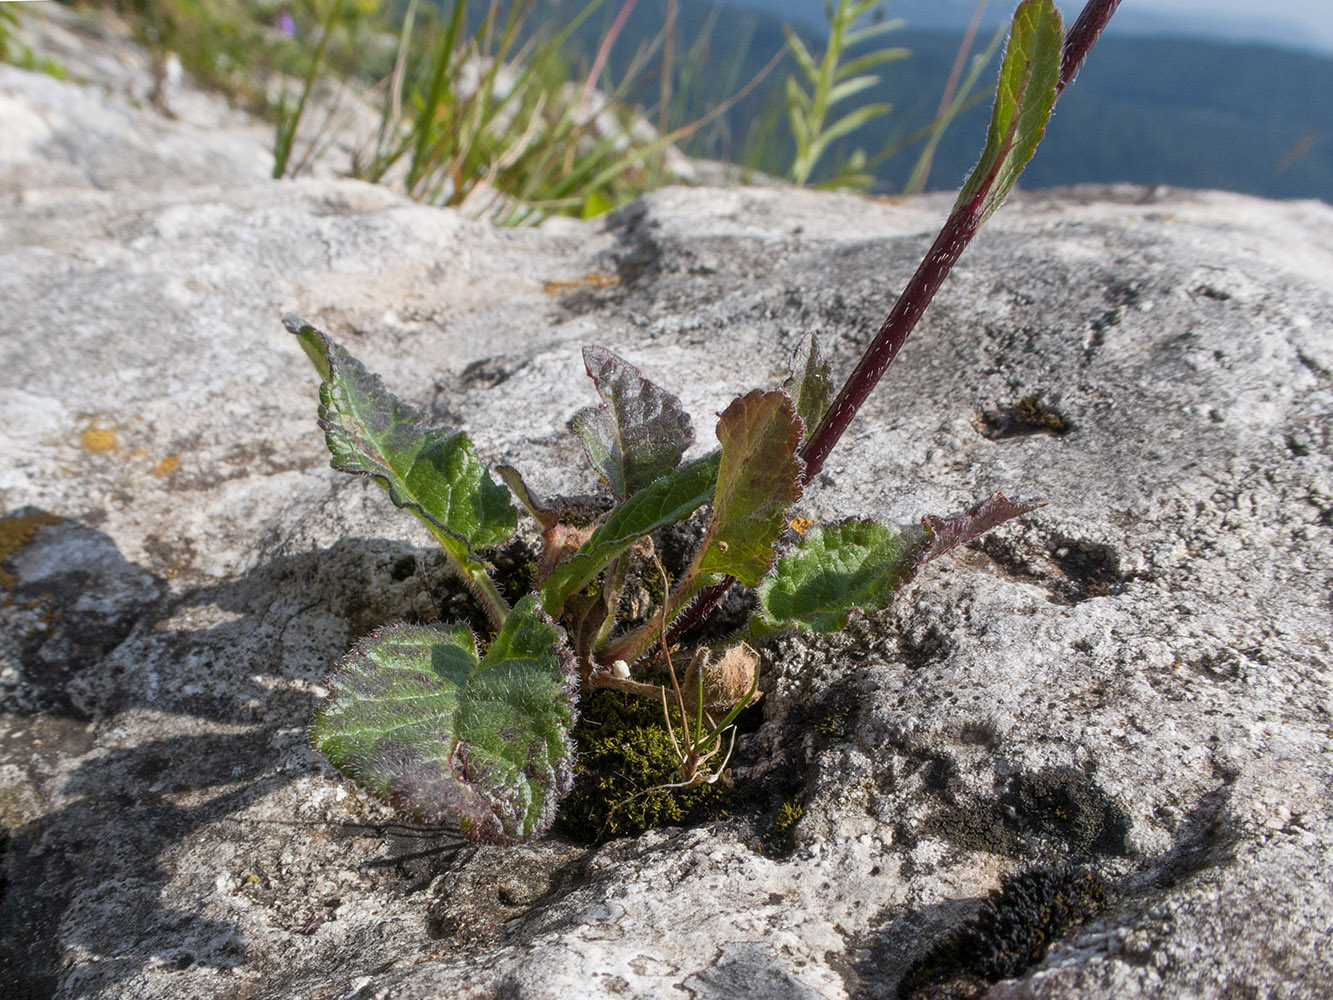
{"x":1154,"y":111}
{"x":1188,"y":113}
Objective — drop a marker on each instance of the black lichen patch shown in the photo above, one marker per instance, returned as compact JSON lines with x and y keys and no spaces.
{"x":1071,"y":569}
{"x":1060,"y":809}
{"x":827,"y":718}
{"x":1027,"y":416}
{"x":1016,"y":926}
{"x":624,"y":751}
{"x":1090,"y":569}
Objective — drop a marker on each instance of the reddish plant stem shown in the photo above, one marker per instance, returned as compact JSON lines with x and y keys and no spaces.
{"x":953,"y":239}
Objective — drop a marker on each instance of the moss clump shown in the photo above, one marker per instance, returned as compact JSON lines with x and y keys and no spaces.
{"x":781,"y":834}
{"x":623,"y":750}
{"x":1031,"y":414}
{"x":1016,"y":926}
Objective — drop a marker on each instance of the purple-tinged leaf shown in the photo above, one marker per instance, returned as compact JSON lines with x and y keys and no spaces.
{"x":432,"y":471}
{"x":639,"y":432}
{"x":420,"y":721}
{"x":950,"y":532}
{"x":758,"y":481}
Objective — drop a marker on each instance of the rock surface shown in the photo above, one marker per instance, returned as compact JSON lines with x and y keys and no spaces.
{"x":1133,"y":682}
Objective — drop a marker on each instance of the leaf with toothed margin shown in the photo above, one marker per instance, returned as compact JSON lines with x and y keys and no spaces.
{"x":810,"y":384}
{"x":758,"y":480}
{"x":432,"y":471}
{"x":638,"y":433}
{"x":862,"y":564}
{"x":1023,"y":100}
{"x":420,"y":721}
{"x":672,"y":498}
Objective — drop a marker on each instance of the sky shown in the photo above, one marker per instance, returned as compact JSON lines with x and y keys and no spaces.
{"x":1306,"y":24}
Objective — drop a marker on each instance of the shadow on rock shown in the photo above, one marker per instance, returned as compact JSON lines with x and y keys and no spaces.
{"x":144,"y":718}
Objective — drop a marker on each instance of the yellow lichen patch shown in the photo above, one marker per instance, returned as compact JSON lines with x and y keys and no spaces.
{"x":594,"y":280}
{"x":98,"y":440}
{"x":801,"y":525}
{"x":166,"y":466}
{"x":16,"y":532}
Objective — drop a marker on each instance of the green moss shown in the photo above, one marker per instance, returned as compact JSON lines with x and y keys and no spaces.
{"x":624,"y":750}
{"x":780,"y":836}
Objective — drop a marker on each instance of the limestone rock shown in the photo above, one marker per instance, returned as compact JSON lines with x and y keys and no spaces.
{"x":1134,"y":681}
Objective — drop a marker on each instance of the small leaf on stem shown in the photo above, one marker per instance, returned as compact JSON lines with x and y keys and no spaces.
{"x":420,"y":721}
{"x":546,"y":517}
{"x":1024,"y":97}
{"x":638,"y":433}
{"x":810,"y":384}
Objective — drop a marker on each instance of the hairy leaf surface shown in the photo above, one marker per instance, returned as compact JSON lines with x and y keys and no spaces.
{"x":432,"y":471}
{"x":1023,"y":102}
{"x":421,"y":722}
{"x":638,"y":433}
{"x":810,"y":384}
{"x":862,"y":564}
{"x":758,"y":480}
{"x":851,"y":564}
{"x":670,"y":499}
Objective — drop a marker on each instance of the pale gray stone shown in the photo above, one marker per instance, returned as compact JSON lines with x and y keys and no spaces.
{"x":1134,"y":680}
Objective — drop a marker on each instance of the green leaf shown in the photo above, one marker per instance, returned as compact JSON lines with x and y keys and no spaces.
{"x":850,"y":564}
{"x":758,"y":480}
{"x":852,"y":121}
{"x":810,"y":384}
{"x":1023,"y":103}
{"x":800,"y":53}
{"x":853,"y":38}
{"x":847,"y":88}
{"x":638,"y":433}
{"x":872,"y":59}
{"x":862,"y":564}
{"x":416,"y":718}
{"x":672,"y":498}
{"x":432,"y":471}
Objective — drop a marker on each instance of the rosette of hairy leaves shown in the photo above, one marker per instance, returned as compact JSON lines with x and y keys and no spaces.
{"x":672,"y":498}
{"x":861,"y":564}
{"x":638,"y":433}
{"x":1024,"y":97}
{"x":420,"y":721}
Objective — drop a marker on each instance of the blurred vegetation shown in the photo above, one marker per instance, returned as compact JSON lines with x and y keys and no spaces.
{"x":517,"y":109}
{"x":14,"y":52}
